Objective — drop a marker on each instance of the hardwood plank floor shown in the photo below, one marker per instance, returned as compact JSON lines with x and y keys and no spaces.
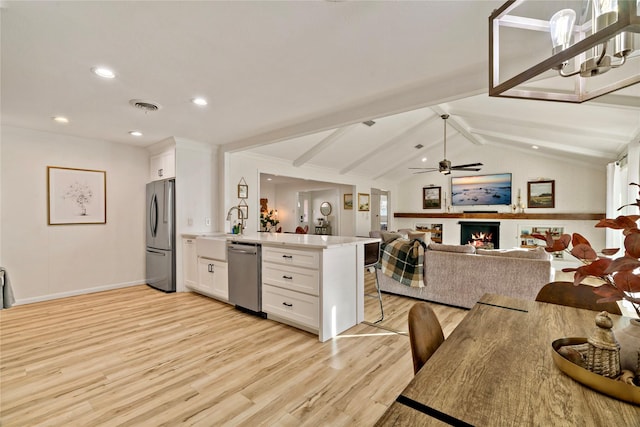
{"x":136,"y":356}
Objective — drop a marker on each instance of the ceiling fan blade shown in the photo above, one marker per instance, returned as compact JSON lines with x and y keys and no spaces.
{"x":425,"y":171}
{"x":470,"y":165}
{"x":465,"y":169}
{"x":434,"y":169}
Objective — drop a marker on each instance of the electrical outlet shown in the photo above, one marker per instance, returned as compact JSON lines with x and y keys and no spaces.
{"x":207,"y":222}
{"x":189,"y":222}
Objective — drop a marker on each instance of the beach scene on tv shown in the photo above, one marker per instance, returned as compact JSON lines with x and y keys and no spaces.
{"x":481,"y":190}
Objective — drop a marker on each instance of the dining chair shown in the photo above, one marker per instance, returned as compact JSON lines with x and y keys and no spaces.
{"x":300,"y":230}
{"x":371,"y":258}
{"x":581,"y":296}
{"x":425,"y":334}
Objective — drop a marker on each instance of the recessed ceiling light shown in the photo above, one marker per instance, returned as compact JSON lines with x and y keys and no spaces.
{"x":135,"y":133}
{"x":269,"y":179}
{"x":60,"y":119}
{"x":199,"y":101}
{"x":103,"y":72}
{"x":424,"y":159}
{"x":535,"y":147}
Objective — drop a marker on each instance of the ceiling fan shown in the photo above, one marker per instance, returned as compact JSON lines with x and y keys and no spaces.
{"x":444,"y":166}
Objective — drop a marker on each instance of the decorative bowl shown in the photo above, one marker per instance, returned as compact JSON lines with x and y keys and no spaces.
{"x":616,"y":389}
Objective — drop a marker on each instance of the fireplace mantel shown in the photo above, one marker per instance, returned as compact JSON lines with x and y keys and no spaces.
{"x":483,"y":215}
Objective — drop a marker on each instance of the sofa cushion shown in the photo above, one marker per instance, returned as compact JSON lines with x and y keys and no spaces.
{"x":537,"y":253}
{"x":463,"y":249}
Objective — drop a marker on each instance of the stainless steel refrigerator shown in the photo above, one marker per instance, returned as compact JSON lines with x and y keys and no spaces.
{"x":161,"y":235}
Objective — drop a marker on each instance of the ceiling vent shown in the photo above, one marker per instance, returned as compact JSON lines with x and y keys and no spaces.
{"x":419,"y":146}
{"x":146,"y":106}
{"x":369,"y":123}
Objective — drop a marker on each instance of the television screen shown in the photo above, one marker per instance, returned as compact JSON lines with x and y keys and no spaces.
{"x":481,"y":190}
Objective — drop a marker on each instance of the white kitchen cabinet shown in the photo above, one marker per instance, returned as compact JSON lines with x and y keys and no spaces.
{"x":189,"y":263}
{"x":311,"y":289}
{"x":290,"y":286}
{"x":162,"y":165}
{"x":213,"y":278}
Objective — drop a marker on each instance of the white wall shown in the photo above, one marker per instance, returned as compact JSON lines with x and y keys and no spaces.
{"x":53,"y":261}
{"x":196,"y":192}
{"x":249,"y":166}
{"x":579,"y":188}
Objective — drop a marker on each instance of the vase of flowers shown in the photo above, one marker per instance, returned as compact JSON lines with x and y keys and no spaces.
{"x":619,"y":277}
{"x":269,"y":220}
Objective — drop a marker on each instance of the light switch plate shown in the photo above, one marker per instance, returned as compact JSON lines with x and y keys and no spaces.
{"x":207,"y":222}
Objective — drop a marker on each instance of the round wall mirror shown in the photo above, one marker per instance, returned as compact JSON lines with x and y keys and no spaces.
{"x":325,"y":208}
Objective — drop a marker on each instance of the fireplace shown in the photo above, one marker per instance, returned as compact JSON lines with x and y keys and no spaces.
{"x":485,"y":235}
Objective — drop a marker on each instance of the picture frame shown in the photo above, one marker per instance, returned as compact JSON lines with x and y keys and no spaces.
{"x":243,"y":191}
{"x":541,"y":194}
{"x":431,"y":198}
{"x":363,"y":202}
{"x":347,"y":201}
{"x":76,"y":196}
{"x":245,"y":211}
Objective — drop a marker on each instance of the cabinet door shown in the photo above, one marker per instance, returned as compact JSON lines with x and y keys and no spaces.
{"x":189,"y":263}
{"x":213,"y":278}
{"x":205,"y":274}
{"x":220,"y":285}
{"x":162,"y":166}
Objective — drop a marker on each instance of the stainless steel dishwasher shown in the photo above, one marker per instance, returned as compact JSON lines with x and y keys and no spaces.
{"x":245,"y":276}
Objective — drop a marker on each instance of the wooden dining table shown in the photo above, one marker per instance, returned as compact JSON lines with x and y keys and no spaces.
{"x":496,"y":369}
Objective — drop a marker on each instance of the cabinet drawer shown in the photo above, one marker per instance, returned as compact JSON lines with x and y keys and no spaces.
{"x":297,"y":257}
{"x":290,"y":277}
{"x":295,"y":306}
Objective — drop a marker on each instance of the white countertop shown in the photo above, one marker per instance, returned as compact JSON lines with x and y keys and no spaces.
{"x":290,"y":239}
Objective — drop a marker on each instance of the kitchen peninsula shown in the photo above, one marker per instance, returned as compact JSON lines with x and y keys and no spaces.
{"x":312,"y":282}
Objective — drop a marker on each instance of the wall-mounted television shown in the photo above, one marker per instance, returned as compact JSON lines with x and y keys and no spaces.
{"x":492,"y":189}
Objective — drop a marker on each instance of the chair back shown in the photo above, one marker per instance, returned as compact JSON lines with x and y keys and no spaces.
{"x":581,"y":296}
{"x":371,"y":254}
{"x":425,"y":334}
{"x":300,"y":230}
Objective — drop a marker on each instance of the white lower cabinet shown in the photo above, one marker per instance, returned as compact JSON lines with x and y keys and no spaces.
{"x":290,"y":305}
{"x":213,"y":278}
{"x":189,"y":263}
{"x":290,"y":286}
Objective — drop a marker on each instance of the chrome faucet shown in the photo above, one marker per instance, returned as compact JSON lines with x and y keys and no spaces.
{"x":240,"y":217}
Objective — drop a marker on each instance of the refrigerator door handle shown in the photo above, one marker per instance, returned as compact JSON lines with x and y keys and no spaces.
{"x":151,"y":251}
{"x":153,"y":215}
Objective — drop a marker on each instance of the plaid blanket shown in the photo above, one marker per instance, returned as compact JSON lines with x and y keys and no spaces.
{"x":403,"y":261}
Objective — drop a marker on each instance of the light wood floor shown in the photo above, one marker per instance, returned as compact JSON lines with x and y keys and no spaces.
{"x":137,"y":356}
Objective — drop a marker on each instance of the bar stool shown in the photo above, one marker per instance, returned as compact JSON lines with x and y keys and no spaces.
{"x":371,"y":258}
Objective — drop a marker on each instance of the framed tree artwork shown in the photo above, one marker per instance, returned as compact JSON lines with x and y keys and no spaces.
{"x":541,"y":194}
{"x":76,"y":196}
{"x":431,"y":198}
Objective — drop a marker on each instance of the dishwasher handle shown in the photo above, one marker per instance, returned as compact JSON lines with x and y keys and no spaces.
{"x":251,"y":250}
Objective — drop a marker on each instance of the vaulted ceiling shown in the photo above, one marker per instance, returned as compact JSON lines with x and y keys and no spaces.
{"x":293,"y":80}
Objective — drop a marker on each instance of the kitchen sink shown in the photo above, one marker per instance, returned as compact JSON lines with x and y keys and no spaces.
{"x":212,"y":246}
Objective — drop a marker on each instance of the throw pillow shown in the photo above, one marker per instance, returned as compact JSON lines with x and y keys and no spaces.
{"x":420,"y":235}
{"x":462,"y":249}
{"x":389,"y":236}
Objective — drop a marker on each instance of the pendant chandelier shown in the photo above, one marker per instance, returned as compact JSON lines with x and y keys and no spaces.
{"x":594,"y":47}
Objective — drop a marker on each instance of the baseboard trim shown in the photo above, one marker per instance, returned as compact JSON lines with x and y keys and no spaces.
{"x":59,"y":295}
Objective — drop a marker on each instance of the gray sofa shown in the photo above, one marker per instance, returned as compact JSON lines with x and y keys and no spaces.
{"x":459,"y":275}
